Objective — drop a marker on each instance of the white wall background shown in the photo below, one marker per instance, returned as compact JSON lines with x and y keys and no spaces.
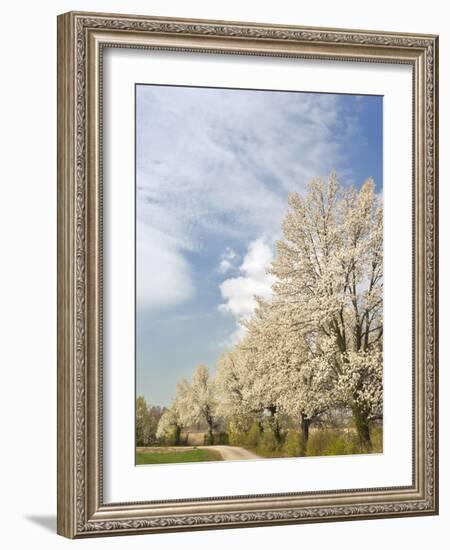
{"x":28,"y":271}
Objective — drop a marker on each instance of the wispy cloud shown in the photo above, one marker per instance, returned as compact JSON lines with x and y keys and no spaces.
{"x":217,"y":163}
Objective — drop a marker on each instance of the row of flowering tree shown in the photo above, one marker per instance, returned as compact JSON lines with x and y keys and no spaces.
{"x":315,"y":348}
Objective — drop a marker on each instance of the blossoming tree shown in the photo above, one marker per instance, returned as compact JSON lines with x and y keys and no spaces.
{"x":315,"y":346}
{"x":329,"y":270}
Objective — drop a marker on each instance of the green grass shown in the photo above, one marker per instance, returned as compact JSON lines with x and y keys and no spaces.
{"x":191,"y":455}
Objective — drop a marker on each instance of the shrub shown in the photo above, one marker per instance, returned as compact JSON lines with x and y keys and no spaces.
{"x":170,"y":438}
{"x":293,"y":445}
{"x":221,"y":438}
{"x":318,"y":442}
{"x":268,"y":442}
{"x":376,"y":436}
{"x":338,"y":445}
{"x":236,"y":432}
{"x":253,"y":436}
{"x":327,"y":442}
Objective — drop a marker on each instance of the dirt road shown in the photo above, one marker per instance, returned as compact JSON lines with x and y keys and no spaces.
{"x":231,"y":453}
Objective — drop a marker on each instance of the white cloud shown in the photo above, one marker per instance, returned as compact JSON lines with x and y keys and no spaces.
{"x":239,"y":292}
{"x":228,"y":259}
{"x":229,"y":254}
{"x":257,"y":260}
{"x":163,"y":275}
{"x":224,"y":266}
{"x":236,"y":336}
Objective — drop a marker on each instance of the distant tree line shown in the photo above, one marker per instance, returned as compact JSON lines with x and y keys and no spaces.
{"x":147,"y":420}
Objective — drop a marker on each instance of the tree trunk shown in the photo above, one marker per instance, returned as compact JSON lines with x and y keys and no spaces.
{"x":275,"y":425}
{"x":363,"y":429}
{"x":177,"y":435}
{"x":306,"y":422}
{"x":210,"y":433}
{"x":210,"y":421}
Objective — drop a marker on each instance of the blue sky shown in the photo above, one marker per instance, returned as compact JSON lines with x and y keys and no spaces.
{"x":213,"y":170}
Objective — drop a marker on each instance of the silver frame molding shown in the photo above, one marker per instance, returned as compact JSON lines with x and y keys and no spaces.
{"x":81,"y":39}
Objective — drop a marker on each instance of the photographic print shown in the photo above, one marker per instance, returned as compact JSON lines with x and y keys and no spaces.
{"x":259,"y":274}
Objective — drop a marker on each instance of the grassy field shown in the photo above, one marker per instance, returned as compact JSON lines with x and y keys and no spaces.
{"x":171,"y":457}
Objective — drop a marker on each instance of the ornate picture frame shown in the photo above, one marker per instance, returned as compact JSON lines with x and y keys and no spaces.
{"x":82,"y":38}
